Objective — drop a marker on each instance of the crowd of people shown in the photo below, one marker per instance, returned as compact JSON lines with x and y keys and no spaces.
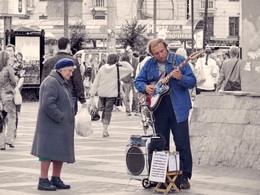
{"x":67,"y":80}
{"x":11,"y":81}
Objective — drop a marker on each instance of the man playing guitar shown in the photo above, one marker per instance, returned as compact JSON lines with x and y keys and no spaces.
{"x":172,"y":110}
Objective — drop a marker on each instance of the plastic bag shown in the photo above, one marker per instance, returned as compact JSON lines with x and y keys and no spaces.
{"x":17,"y":97}
{"x":83,"y":125}
{"x":199,"y":72}
{"x":200,"y":76}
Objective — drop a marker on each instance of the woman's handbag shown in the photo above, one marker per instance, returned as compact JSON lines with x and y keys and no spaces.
{"x":118,"y":100}
{"x":93,"y":110}
{"x":232,"y":85}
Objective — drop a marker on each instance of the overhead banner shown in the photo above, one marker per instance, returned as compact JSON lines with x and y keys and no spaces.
{"x":12,"y":7}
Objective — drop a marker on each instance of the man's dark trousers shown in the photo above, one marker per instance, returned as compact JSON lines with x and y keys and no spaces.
{"x":165,"y":121}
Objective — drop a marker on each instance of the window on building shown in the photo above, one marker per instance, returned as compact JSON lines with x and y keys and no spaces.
{"x":99,"y":17}
{"x":99,"y":3}
{"x":234,"y":26}
{"x":30,"y":3}
{"x":210,"y":4}
{"x":210,"y":26}
{"x":43,"y":17}
{"x":26,"y":17}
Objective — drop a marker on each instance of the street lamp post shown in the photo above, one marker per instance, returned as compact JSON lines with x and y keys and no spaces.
{"x":154,"y":17}
{"x":111,"y":25}
{"x":192,"y":26}
{"x":66,"y":18}
{"x":205,"y":24}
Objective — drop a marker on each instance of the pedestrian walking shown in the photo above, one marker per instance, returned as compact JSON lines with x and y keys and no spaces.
{"x":106,"y":85}
{"x":127,"y":87}
{"x":76,"y":81}
{"x":10,"y":48}
{"x":54,"y":135}
{"x":7,"y":106}
{"x":230,"y":69}
{"x":16,"y":62}
{"x":19,"y":72}
{"x":173,"y":109}
{"x":211,"y":72}
{"x":133,"y":60}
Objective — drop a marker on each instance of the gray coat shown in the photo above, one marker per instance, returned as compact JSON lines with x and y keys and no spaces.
{"x":54,"y":135}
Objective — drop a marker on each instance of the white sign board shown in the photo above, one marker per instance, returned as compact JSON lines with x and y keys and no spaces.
{"x":30,"y":49}
{"x":159,"y":166}
{"x":174,"y":162}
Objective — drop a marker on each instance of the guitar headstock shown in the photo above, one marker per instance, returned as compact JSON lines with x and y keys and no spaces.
{"x":191,"y":57}
{"x":196,"y":54}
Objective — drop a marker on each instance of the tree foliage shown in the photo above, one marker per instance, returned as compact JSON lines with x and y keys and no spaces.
{"x":133,"y":34}
{"x":78,"y":35}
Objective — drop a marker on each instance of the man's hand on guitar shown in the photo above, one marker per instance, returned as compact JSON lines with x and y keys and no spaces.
{"x":176,"y":73}
{"x":150,"y":89}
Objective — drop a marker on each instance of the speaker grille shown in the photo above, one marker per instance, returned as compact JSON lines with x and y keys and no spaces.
{"x":135,"y":160}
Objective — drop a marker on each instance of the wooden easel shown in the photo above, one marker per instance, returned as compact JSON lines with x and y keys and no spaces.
{"x":170,"y":182}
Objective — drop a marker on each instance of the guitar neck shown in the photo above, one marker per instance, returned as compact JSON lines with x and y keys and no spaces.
{"x":167,"y":78}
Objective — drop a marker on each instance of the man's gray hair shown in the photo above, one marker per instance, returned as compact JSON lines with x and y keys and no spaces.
{"x":234,"y":51}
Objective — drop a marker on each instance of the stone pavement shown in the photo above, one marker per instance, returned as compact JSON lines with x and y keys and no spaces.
{"x":100,"y":164}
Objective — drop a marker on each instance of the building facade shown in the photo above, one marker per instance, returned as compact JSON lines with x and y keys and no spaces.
{"x":173,"y":18}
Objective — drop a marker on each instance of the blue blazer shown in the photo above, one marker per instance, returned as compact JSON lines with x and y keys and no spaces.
{"x":179,"y":94}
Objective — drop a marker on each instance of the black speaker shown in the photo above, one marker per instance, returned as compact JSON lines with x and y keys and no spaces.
{"x":135,"y":160}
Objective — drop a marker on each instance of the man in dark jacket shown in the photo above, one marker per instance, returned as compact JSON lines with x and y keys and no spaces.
{"x":75,"y":82}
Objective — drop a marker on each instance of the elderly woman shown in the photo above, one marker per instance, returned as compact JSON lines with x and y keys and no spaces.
{"x":54,"y":135}
{"x":7,"y":106}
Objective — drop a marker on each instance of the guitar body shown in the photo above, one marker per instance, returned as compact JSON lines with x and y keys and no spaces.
{"x":154,"y":100}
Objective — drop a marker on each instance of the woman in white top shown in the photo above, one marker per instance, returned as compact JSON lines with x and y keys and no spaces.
{"x":211,"y":71}
{"x":181,"y":51}
{"x":106,"y":85}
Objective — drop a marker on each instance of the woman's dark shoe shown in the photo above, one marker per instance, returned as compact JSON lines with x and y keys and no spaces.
{"x":56,"y":181}
{"x":44,"y":184}
{"x":10,"y":145}
{"x":2,"y":148}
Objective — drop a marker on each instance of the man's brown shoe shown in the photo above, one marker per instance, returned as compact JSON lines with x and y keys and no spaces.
{"x":185,"y":184}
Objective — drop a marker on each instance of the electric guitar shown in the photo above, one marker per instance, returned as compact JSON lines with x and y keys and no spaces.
{"x":161,"y":86}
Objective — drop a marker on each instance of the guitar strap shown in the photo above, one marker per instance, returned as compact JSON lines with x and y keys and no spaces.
{"x":174,"y":61}
{"x":174,"y":58}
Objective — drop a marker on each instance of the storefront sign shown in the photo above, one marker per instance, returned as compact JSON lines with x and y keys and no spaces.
{"x":178,"y":36}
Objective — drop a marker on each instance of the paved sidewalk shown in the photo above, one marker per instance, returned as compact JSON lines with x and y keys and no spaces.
{"x":100,"y":165}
